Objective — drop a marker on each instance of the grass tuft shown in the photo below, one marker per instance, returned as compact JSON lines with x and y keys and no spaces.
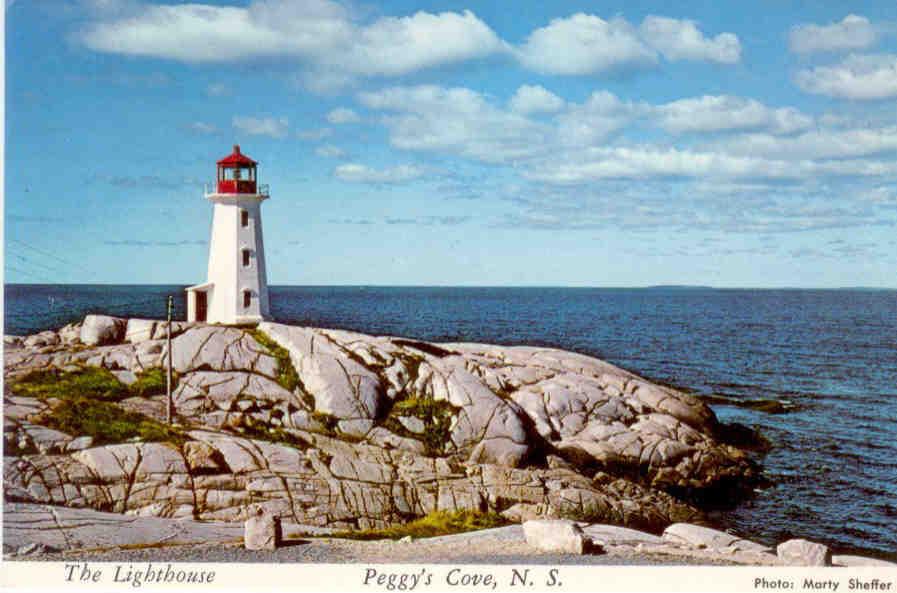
{"x":106,"y":422}
{"x":150,"y":382}
{"x":91,"y":382}
{"x":432,"y":525}
{"x":287,"y":377}
{"x":87,"y":406}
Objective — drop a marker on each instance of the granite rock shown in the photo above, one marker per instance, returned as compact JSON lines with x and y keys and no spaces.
{"x":558,"y":536}
{"x":801,"y":552}
{"x":356,"y":431}
{"x":99,"y":330}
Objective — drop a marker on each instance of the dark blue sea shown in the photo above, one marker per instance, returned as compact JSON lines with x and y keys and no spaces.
{"x":830,"y":355}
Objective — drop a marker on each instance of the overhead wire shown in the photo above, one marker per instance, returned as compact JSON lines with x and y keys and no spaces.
{"x":48,"y":254}
{"x":31,"y":262}
{"x":26,"y":273}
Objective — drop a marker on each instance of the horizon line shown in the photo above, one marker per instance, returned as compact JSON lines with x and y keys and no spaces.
{"x":540,"y":286}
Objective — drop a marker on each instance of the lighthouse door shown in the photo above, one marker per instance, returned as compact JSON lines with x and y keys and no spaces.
{"x":202,"y":305}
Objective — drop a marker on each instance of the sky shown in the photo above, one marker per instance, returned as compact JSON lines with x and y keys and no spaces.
{"x":730,"y":144}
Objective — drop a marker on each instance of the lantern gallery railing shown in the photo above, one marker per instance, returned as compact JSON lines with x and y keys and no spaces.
{"x":236,"y":187}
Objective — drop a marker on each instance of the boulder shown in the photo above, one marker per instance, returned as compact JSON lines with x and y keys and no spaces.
{"x":558,"y":536}
{"x":262,"y":530}
{"x":98,"y":330}
{"x":696,"y":536}
{"x":801,"y":552}
{"x":140,"y":330}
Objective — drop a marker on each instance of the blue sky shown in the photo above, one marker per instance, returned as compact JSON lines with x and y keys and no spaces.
{"x":458,"y":143}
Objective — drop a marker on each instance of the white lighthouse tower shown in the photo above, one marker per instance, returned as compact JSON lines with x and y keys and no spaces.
{"x":236,"y":288}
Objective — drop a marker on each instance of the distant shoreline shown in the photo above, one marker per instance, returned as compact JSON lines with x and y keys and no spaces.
{"x":658,"y":287}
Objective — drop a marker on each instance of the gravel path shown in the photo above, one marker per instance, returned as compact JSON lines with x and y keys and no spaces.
{"x":468,"y":550}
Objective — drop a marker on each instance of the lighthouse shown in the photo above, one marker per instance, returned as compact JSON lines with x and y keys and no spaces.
{"x":236,"y":287}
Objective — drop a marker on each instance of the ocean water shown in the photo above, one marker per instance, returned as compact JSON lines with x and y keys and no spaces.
{"x":829,"y":355}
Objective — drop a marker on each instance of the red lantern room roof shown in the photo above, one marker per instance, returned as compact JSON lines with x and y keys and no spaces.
{"x":236,"y":158}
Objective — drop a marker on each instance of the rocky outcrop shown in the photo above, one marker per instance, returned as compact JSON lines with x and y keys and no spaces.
{"x":341,"y":429}
{"x":332,"y":483}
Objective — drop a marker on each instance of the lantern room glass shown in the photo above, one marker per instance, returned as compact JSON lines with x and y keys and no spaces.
{"x":239,"y":179}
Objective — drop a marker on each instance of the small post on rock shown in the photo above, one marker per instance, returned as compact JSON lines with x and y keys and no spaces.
{"x":169,"y":406}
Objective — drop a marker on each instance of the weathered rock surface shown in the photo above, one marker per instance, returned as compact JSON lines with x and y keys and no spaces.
{"x":368,"y":431}
{"x":800,"y":552}
{"x":696,"y":536}
{"x":63,"y":528}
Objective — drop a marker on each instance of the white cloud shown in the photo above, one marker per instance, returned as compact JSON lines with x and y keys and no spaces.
{"x":202,"y":128}
{"x":817,"y":144}
{"x":584,"y":44}
{"x":648,"y":161}
{"x":262,"y":126}
{"x":343,"y":115}
{"x":357,"y":173}
{"x":535,"y":99}
{"x":594,"y":120}
{"x":725,"y":112}
{"x":861,"y":77}
{"x":586,"y":142}
{"x":330,"y":151}
{"x":682,"y":40}
{"x":852,"y":33}
{"x":455,"y":120}
{"x":320,"y":33}
{"x":392,"y":46}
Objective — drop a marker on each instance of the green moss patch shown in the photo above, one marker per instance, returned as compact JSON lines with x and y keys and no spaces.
{"x":150,"y":382}
{"x":91,"y":382}
{"x":86,"y":405}
{"x":436,"y":416}
{"x":434,"y":524}
{"x":106,"y":422}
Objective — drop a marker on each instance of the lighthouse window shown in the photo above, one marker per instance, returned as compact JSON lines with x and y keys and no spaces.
{"x":245,"y":258}
{"x":247,"y":298}
{"x":244,"y":218}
